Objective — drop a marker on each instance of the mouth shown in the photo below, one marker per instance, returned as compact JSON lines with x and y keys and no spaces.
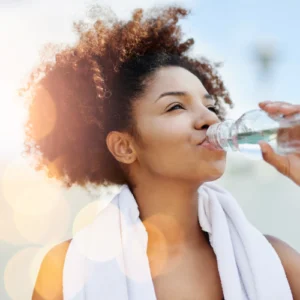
{"x":209,"y":146}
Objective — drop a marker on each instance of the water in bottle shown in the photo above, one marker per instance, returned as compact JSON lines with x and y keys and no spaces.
{"x":281,"y":132}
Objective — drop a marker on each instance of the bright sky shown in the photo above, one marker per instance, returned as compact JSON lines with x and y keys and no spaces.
{"x":223,"y":30}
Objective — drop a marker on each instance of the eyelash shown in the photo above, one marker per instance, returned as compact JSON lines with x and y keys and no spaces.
{"x":212,"y":108}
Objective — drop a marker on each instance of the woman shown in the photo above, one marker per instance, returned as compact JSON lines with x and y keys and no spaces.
{"x":127,"y":105}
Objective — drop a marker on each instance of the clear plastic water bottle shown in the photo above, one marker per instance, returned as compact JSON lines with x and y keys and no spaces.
{"x":281,"y":132}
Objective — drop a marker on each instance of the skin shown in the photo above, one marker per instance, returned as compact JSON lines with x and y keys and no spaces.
{"x":166,"y":169}
{"x":163,"y":167}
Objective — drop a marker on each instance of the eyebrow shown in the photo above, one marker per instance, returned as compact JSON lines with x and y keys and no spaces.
{"x":181,"y":94}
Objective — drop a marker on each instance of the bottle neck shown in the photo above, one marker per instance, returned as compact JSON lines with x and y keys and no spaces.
{"x":221,"y":135}
{"x":212,"y":135}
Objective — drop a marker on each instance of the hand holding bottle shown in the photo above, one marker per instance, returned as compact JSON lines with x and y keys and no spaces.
{"x":289,"y":164}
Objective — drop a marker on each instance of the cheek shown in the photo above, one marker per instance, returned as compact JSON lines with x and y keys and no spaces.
{"x":169,"y":151}
{"x":165,"y":132}
{"x":159,"y":159}
{"x":163,"y":143}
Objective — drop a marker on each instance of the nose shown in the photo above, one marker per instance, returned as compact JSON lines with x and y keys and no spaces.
{"x":205,"y":119}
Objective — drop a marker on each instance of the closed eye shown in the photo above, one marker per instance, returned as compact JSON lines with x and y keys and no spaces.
{"x":172,"y":108}
{"x":211,"y":108}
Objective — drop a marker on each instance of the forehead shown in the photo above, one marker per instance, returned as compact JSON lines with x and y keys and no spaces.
{"x":170,"y":78}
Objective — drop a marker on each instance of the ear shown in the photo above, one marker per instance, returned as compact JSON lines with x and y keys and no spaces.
{"x":121,"y":147}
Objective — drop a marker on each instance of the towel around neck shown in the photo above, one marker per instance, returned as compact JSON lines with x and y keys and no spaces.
{"x":108,"y":258}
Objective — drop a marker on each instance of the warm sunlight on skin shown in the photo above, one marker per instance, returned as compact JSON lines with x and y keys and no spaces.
{"x":36,"y":261}
{"x":171,"y":127}
{"x":158,"y":255}
{"x":157,"y":247}
{"x":49,"y":282}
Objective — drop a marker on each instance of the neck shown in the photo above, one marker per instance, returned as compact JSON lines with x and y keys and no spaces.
{"x":169,"y":212}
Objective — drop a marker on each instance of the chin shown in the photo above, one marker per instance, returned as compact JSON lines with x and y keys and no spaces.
{"x":216,"y":177}
{"x":213,"y":177}
{"x":215,"y":170}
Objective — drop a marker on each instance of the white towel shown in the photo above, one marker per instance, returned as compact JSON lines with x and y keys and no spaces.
{"x":108,"y":259}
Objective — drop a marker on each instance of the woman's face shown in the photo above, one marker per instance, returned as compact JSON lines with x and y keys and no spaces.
{"x":173,"y":126}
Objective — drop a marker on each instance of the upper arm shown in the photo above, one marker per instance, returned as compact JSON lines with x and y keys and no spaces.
{"x":290,"y":260}
{"x":49,"y":280}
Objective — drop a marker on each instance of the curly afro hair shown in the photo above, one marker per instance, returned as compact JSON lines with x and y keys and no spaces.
{"x":86,"y":90}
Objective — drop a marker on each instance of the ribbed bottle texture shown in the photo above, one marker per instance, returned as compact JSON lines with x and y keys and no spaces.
{"x":281,"y":132}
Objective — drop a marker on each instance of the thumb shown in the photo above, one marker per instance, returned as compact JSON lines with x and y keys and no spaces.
{"x":279,"y":162}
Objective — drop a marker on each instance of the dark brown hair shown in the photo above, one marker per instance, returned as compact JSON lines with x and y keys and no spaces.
{"x":89,"y":89}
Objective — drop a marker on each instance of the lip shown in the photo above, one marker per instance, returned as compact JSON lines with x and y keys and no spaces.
{"x":209,"y":146}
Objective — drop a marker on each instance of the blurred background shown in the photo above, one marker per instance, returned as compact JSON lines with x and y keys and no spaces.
{"x":258,"y":41}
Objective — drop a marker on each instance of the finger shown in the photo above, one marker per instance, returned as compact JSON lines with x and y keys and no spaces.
{"x":279,"y":162}
{"x":268,"y":103}
{"x":281,"y":108}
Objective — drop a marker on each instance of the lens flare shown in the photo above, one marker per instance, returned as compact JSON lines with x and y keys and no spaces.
{"x":17,"y":280}
{"x":98,"y":252}
{"x":47,"y":227}
{"x":43,"y":114}
{"x":164,"y":248}
{"x":89,"y":212}
{"x":51,"y":258}
{"x":157,"y":250}
{"x":27,"y":191}
{"x":8,"y":231}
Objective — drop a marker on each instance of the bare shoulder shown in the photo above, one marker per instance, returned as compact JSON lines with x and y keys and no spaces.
{"x":48,"y":284}
{"x":290,"y":260}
